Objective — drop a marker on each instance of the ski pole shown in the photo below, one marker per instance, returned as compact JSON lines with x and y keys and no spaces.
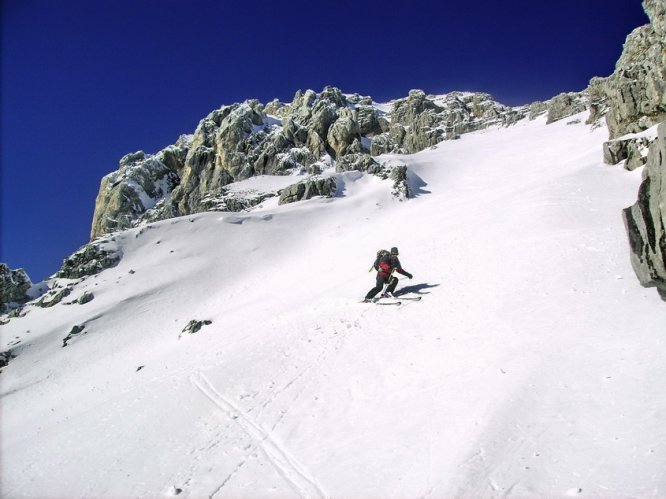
{"x":388,"y":281}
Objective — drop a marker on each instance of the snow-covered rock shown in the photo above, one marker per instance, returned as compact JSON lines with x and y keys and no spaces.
{"x":633,"y":100}
{"x":14,"y":286}
{"x":140,"y":182}
{"x":248,"y":139}
{"x":565,"y":105}
{"x":631,"y":148}
{"x":420,"y":121}
{"x":306,"y":189}
{"x":636,"y":91}
{"x":646,"y":219}
{"x":90,"y":259}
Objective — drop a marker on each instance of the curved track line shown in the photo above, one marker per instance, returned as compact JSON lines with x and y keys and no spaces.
{"x":285,"y":464}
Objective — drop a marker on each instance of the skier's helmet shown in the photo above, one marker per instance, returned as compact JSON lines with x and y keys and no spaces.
{"x":394,"y":250}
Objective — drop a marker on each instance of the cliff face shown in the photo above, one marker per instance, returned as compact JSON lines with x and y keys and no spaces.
{"x":316,"y":132}
{"x":646,"y":219}
{"x":633,"y":98}
{"x":14,"y":285}
{"x":329,"y":132}
{"x":140,"y":181}
{"x":636,"y":94}
{"x":637,"y":88}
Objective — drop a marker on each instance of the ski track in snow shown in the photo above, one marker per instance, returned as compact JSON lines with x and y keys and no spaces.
{"x":322,"y":343}
{"x":285,"y":464}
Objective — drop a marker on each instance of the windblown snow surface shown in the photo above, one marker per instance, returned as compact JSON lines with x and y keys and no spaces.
{"x":534,"y":365}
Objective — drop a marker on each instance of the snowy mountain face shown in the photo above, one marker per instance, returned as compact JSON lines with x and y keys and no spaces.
{"x":317,"y":133}
{"x":227,"y":354}
{"x":211,"y":342}
{"x":318,"y":136}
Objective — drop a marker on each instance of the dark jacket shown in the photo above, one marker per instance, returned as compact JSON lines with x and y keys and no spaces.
{"x":388,"y":264}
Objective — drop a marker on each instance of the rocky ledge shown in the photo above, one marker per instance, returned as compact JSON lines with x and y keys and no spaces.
{"x":633,"y":98}
{"x":14,"y":286}
{"x":326,"y":132}
{"x":636,"y":100}
{"x":646,"y":218}
{"x":90,"y":260}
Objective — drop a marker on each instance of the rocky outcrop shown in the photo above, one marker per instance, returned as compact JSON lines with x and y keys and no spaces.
{"x":398,"y":174}
{"x":632,"y":149}
{"x":633,"y":98}
{"x":73,"y":333}
{"x":637,"y":88}
{"x":54,"y":296}
{"x":234,"y":201}
{"x":240,"y":141}
{"x":86,"y":297}
{"x":305,"y":136}
{"x":14,"y":286}
{"x":89,"y":260}
{"x":344,"y":135}
{"x":646,"y":220}
{"x":420,"y":121}
{"x":194,"y":326}
{"x":5,"y":357}
{"x":566,"y":105}
{"x":313,"y":186}
{"x":360,"y":162}
{"x":598,"y":100}
{"x":140,"y":182}
{"x":561,"y":106}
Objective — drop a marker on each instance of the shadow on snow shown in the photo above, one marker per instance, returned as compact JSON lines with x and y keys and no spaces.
{"x":416,"y":288}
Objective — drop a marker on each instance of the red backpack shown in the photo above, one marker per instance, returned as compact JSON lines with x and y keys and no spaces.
{"x":382,"y":253}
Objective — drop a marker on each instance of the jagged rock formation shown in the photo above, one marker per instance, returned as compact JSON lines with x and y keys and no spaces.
{"x":561,"y":106}
{"x":313,"y":186}
{"x":135,"y":187}
{"x":306,"y":136}
{"x":194,"y":326}
{"x":634,"y":99}
{"x":89,"y":260}
{"x":646,"y":220}
{"x":14,"y":285}
{"x":360,"y":162}
{"x":54,"y":296}
{"x":565,"y":105}
{"x":420,"y":121}
{"x":632,"y":149}
{"x":637,"y":88}
{"x":75,"y":331}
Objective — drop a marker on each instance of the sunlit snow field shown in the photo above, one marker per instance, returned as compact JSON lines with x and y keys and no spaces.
{"x":534,"y":365}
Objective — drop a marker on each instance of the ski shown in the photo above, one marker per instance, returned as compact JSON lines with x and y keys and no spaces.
{"x":386,"y":302}
{"x":382,"y":301}
{"x":412,"y":298}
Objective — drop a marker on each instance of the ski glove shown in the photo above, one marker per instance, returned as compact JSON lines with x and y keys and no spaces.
{"x":409,"y":275}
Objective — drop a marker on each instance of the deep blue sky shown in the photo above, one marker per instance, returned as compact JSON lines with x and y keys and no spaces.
{"x":85,"y":82}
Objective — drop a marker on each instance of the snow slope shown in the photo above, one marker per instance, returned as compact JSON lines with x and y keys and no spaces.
{"x":533,"y":365}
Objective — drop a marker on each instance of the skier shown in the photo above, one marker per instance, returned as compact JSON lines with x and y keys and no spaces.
{"x":386,"y":264}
